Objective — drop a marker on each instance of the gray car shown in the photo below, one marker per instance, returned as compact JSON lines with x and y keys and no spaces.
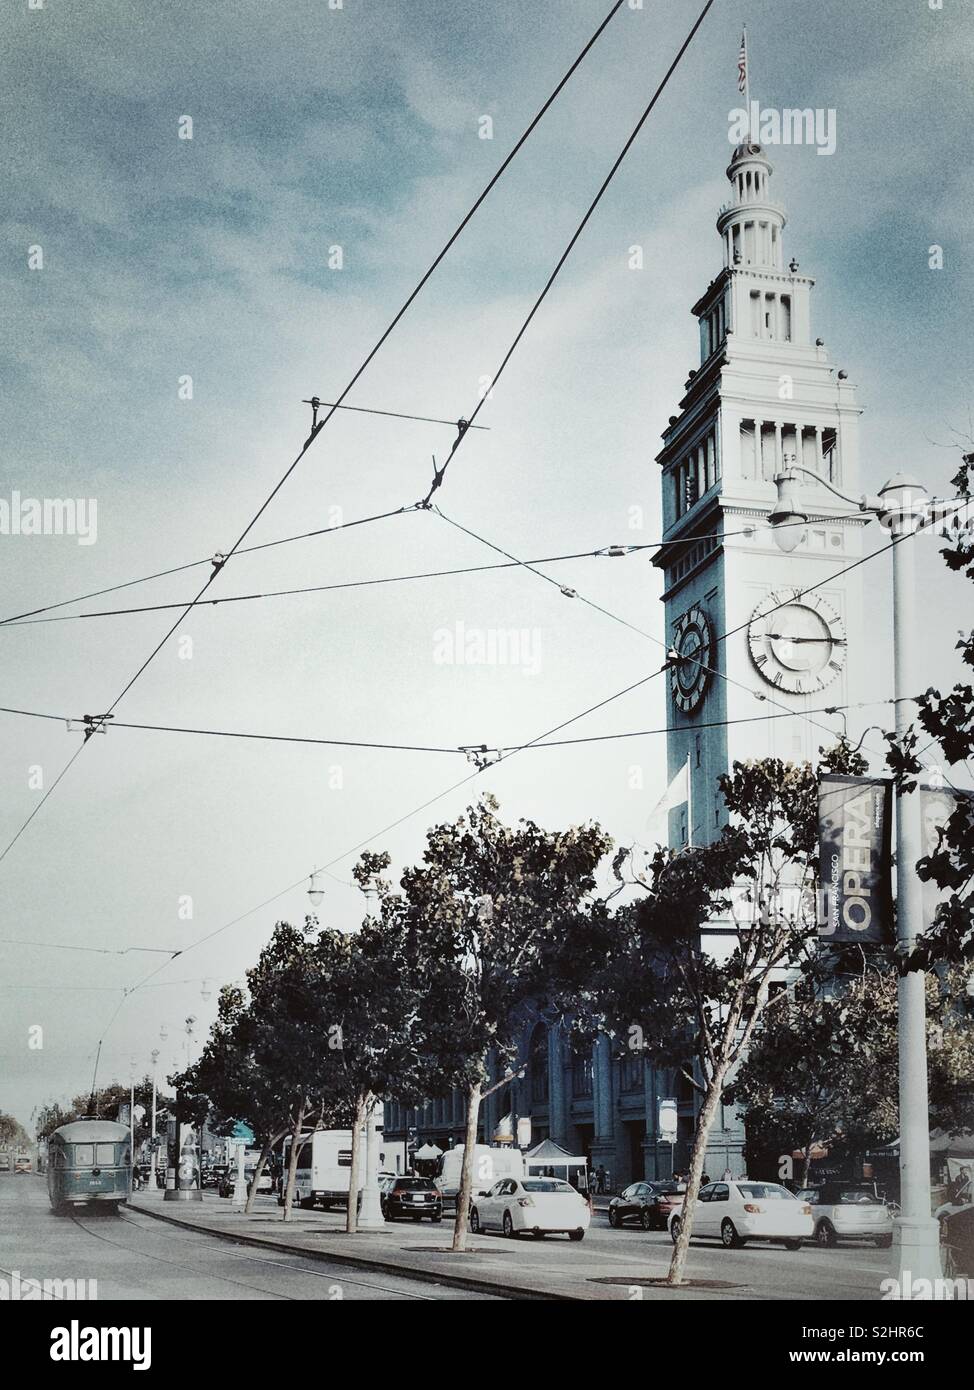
{"x":848,"y":1211}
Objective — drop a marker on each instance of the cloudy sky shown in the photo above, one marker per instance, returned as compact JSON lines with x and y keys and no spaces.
{"x":166,"y":258}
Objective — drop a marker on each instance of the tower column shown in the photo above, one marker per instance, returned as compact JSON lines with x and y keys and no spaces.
{"x":819,"y":452}
{"x":777,"y":447}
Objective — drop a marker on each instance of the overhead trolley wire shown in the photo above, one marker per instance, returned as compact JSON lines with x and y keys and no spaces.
{"x":439,"y":473}
{"x":17,"y":618}
{"x":360,"y":370}
{"x":28,"y":618}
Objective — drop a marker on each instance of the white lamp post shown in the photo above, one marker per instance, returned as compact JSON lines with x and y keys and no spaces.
{"x":152,"y":1151}
{"x":902,"y":507}
{"x":370,"y":1216}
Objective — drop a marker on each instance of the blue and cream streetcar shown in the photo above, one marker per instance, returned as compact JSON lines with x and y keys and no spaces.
{"x":89,"y":1161}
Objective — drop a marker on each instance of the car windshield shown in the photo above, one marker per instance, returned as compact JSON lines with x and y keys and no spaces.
{"x":546,"y":1185}
{"x":414,"y":1184}
{"x":766,"y":1192}
{"x":667,"y":1189}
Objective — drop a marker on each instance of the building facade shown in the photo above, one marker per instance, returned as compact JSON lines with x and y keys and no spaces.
{"x":758,"y":632}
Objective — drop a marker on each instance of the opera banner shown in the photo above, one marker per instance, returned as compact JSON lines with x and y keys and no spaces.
{"x":855,"y":819}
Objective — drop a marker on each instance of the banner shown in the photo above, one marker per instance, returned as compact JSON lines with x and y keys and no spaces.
{"x":855,"y":819}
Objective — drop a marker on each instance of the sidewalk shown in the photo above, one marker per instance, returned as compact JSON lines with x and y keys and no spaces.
{"x":551,"y":1269}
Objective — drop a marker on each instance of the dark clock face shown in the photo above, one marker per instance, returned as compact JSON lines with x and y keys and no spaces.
{"x":797,"y":641}
{"x":692,"y":651}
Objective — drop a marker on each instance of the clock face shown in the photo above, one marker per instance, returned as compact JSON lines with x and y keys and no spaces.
{"x":693,"y":648}
{"x":797,"y":641}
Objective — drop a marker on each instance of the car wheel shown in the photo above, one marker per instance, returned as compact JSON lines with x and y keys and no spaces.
{"x":436,"y":1220}
{"x":646,"y":1220}
{"x":306,"y":1203}
{"x":475,"y":1221}
{"x":792,"y":1244}
{"x":825,"y":1235}
{"x":728,"y":1235}
{"x":508,"y":1226}
{"x":675,"y":1229}
{"x":884,"y":1242}
{"x":575,"y":1235}
{"x":614,"y":1219}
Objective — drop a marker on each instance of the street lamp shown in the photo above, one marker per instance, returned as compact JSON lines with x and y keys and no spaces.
{"x":152,"y":1151}
{"x":315,"y":891}
{"x":902,"y":506}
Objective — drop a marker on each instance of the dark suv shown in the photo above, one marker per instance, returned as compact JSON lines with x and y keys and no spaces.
{"x":415,"y":1197}
{"x":649,"y":1204}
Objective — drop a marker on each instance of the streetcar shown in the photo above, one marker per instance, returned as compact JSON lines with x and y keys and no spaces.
{"x":89,"y":1161}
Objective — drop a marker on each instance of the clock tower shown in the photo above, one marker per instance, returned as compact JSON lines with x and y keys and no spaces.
{"x":753,"y":642}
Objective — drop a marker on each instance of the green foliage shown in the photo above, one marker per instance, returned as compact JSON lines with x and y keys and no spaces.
{"x":12,"y":1132}
{"x":824,"y":1067}
{"x":948,"y":719}
{"x":497,"y":916}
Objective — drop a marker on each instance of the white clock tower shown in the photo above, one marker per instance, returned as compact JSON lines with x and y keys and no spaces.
{"x":764,"y":393}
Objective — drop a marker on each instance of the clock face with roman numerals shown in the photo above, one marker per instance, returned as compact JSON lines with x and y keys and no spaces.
{"x":797,"y":641}
{"x":692,"y":647}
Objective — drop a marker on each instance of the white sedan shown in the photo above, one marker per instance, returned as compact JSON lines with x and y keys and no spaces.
{"x":736,"y":1212}
{"x":537,"y":1205}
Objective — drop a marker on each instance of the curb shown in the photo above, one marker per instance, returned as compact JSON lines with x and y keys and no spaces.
{"x":456,"y":1281}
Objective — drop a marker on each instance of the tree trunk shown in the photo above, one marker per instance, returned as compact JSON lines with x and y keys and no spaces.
{"x":351,"y":1220}
{"x":261,"y":1162}
{"x":704,"y":1123}
{"x":807,"y":1165}
{"x":466,"y":1172}
{"x":292,"y":1162}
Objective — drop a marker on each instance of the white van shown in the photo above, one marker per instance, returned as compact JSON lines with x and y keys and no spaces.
{"x":324,"y":1167}
{"x":489,"y":1165}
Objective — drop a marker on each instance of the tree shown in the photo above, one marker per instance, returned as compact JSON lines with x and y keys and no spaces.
{"x":228,"y":1086}
{"x":949,"y":720}
{"x":664,"y":993}
{"x":495,"y":917}
{"x":12,"y":1132}
{"x":823,"y":1068}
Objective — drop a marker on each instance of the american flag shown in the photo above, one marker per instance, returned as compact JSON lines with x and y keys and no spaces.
{"x":742,"y":65}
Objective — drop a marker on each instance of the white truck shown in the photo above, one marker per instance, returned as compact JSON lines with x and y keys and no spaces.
{"x":324,"y":1167}
{"x":489,"y":1165}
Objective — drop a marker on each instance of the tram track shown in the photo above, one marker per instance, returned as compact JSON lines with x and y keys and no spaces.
{"x":298,"y":1269}
{"x":178,"y":1264}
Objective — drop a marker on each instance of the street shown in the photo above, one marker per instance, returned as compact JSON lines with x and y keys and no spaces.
{"x":135,"y":1257}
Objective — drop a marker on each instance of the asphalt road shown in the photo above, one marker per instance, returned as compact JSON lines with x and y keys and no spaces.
{"x":759,"y":1271}
{"x":133,"y":1256}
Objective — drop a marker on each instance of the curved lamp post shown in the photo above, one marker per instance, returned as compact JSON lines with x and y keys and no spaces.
{"x":902,"y":507}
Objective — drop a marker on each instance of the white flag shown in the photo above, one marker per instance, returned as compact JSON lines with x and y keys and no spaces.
{"x":676,"y":794}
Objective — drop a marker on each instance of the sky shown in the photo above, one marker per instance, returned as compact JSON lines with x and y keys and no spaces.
{"x":166,"y":258}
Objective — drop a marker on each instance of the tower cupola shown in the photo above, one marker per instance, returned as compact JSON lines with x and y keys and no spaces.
{"x":751,"y":224}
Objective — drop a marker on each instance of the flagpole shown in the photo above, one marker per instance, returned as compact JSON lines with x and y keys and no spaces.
{"x":747,"y":89}
{"x":689,"y":804}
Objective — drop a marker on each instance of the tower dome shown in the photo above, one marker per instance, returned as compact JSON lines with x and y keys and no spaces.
{"x":751,"y":224}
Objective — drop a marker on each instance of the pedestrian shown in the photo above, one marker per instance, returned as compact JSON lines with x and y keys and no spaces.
{"x":600,"y":1176}
{"x":705,"y":1180}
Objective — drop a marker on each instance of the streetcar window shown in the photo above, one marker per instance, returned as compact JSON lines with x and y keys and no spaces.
{"x":105,"y":1154}
{"x":84,"y":1155}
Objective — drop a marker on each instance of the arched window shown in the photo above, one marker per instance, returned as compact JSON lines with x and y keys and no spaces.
{"x":538,"y":1063}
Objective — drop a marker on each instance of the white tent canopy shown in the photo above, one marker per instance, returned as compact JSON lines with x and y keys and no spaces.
{"x":427,"y":1152}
